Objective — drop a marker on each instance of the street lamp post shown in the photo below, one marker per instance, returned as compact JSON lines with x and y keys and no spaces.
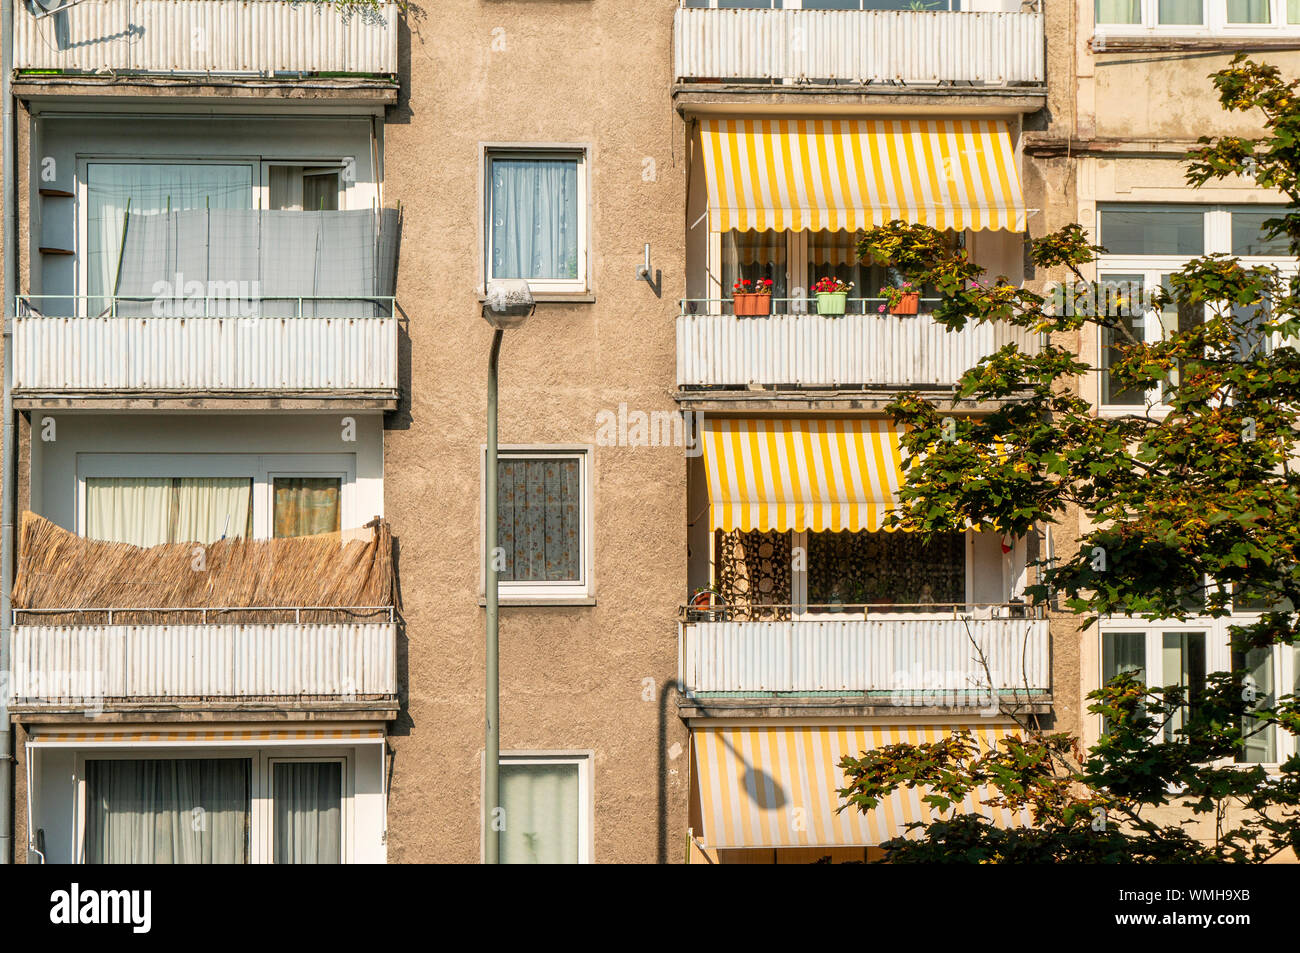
{"x":508,"y":304}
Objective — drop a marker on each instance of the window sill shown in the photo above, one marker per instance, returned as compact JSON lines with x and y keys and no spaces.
{"x":542,"y":601}
{"x":557,"y":297}
{"x":1143,"y":41}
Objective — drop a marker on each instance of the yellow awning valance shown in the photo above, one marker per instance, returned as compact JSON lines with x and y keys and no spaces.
{"x":847,"y":174}
{"x":776,"y":786}
{"x":801,"y":475}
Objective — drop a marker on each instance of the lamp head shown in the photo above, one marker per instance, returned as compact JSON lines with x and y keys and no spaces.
{"x":508,"y":303}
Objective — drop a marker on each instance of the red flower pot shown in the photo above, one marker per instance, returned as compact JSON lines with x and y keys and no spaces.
{"x":751,"y":304}
{"x":906,"y":304}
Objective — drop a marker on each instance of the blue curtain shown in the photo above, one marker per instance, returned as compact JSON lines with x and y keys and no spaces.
{"x":535,"y":218}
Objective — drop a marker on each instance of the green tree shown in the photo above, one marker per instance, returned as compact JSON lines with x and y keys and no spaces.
{"x":1190,"y":504}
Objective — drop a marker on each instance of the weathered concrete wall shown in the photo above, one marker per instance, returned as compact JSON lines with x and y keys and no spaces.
{"x":574,"y":677}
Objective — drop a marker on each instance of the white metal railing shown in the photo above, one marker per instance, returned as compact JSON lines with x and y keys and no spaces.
{"x":811,"y":350}
{"x":208,"y":36}
{"x":213,"y":347}
{"x":886,"y":654}
{"x":858,"y":46}
{"x":77,"y":664}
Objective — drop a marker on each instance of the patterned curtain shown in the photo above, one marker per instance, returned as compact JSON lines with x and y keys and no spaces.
{"x":538,"y":519}
{"x":306,"y":506}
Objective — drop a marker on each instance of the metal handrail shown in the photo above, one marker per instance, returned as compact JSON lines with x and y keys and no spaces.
{"x":797,"y":305}
{"x":204,"y":610}
{"x":25,"y":308}
{"x":956,"y":610}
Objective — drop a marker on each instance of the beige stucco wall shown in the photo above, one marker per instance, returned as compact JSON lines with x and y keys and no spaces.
{"x":572,"y":678}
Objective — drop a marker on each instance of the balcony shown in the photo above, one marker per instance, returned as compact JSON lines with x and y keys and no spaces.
{"x":932,"y":660}
{"x":63,"y":352}
{"x":105,"y":665}
{"x":823,"y":351}
{"x":198,"y":38}
{"x":299,"y":623}
{"x":858,"y":48}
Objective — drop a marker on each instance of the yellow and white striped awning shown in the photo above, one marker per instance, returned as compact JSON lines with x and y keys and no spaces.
{"x":128,"y":736}
{"x":847,"y":174}
{"x":776,"y":786}
{"x":801,"y":475}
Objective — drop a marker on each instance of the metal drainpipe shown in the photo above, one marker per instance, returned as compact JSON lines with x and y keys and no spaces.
{"x":7,"y":451}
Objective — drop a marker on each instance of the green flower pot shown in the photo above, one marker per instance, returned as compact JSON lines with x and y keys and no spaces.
{"x":831,"y":302}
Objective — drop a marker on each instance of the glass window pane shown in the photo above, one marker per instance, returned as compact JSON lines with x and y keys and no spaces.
{"x":534,"y":231}
{"x":1119,"y":11}
{"x":307,"y":827}
{"x":541,"y":813}
{"x":150,"y":189}
{"x":1248,"y":233}
{"x":1122,"y":297}
{"x":1170,"y":230}
{"x":1248,"y":11}
{"x":1293,"y":11}
{"x":1259,"y":744}
{"x":149,"y":511}
{"x":750,"y":256}
{"x":835,"y":255}
{"x":1183,"y":658}
{"x":168,"y":811}
{"x":1177,"y":318}
{"x":306,"y":506}
{"x":539,"y":525}
{"x":1179,"y":12}
{"x":1123,"y":652}
{"x":857,"y":569}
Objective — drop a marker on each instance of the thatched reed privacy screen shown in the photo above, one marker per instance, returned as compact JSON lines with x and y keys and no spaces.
{"x":339,"y":576}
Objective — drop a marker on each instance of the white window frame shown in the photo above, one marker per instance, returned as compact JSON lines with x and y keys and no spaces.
{"x":581,"y":155}
{"x":261,"y":808}
{"x":1217,"y":231}
{"x":263,"y":189}
{"x":799,"y":5}
{"x":260,"y":468}
{"x":1218,"y":658}
{"x":586,"y":790}
{"x":346,"y":804}
{"x":1214,"y":14}
{"x":542,"y":592}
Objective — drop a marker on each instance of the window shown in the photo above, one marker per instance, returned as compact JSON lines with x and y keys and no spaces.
{"x":881,"y":569}
{"x":307,"y":806}
{"x":536,"y":214}
{"x":543,"y":524}
{"x":148,"y":499}
{"x":168,"y":811}
{"x":306,"y":506}
{"x":298,"y":188}
{"x":148,"y":511}
{"x":1122,"y":652}
{"x":1145,"y":245}
{"x":1177,"y":18}
{"x":1259,"y":683}
{"x":1183,"y":661}
{"x":546,"y":804}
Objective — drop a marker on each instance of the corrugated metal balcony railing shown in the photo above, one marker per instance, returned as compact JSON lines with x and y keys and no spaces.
{"x":894,"y":659}
{"x":273,"y":663}
{"x":853,"y":350}
{"x":278,"y":348}
{"x":230,"y":37}
{"x":858,"y":46}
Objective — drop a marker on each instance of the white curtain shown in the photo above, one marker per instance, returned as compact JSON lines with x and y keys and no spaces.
{"x":149,"y":511}
{"x":134,"y":510}
{"x":534,"y":218}
{"x":1248,"y":11}
{"x":1180,"y":12}
{"x":151,"y":188}
{"x":1119,"y":11}
{"x":308,"y":825}
{"x":541,"y":813}
{"x":211,"y":508}
{"x":168,"y":811}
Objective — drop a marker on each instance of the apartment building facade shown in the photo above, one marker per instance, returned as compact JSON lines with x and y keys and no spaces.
{"x":255,"y":240}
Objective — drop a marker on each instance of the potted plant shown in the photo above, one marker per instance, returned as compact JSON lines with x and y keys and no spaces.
{"x":832,"y":294}
{"x":706,"y":604}
{"x":752,"y":298}
{"x":902,"y":299}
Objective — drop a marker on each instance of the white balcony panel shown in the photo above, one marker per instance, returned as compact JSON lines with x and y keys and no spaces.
{"x":809,"y":350}
{"x":54,"y":663}
{"x":858,"y":46}
{"x":208,"y":36}
{"x":865,"y":655}
{"x":168,"y":354}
